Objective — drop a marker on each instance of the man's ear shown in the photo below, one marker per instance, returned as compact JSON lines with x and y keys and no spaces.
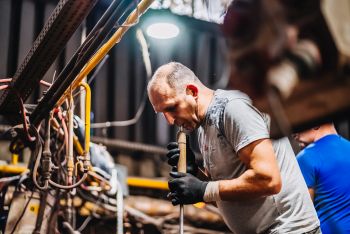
{"x":192,"y":90}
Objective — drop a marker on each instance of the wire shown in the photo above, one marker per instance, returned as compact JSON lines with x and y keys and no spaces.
{"x":98,"y":68}
{"x":88,"y":219}
{"x":85,"y":223}
{"x":145,"y":54}
{"x":23,"y":212}
{"x":2,"y":87}
{"x":5,"y":80}
{"x":82,"y":179}
{"x":25,"y":124}
{"x":8,"y":80}
{"x":148,"y":67}
{"x":94,"y":75}
{"x":125,"y":25}
{"x":37,"y":153}
{"x":125,"y":122}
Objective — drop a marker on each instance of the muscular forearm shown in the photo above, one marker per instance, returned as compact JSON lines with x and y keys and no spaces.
{"x":249,"y":185}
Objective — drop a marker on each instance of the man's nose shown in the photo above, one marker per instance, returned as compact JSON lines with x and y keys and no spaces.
{"x":169,"y":118}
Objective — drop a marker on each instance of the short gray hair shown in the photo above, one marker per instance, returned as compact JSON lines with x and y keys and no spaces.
{"x":175,"y":74}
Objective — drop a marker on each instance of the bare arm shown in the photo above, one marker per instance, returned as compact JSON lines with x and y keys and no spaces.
{"x":262,"y":177}
{"x":312,"y":193}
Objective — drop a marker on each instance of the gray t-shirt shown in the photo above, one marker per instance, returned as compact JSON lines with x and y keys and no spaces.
{"x":232,"y":123}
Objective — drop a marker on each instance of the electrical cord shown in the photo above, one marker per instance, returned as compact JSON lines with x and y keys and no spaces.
{"x":82,"y":179}
{"x":93,"y":76}
{"x":23,"y":113}
{"x":89,"y":218}
{"x":37,"y":153}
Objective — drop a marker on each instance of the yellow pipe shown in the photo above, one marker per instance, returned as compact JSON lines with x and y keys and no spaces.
{"x":131,"y":181}
{"x":77,"y":145}
{"x":147,"y":183}
{"x":14,"y":159}
{"x":13,"y":169}
{"x":87,"y":116}
{"x":105,"y":48}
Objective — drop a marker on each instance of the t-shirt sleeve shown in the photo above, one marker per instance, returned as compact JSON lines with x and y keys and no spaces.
{"x":307,"y":169}
{"x":244,"y":124}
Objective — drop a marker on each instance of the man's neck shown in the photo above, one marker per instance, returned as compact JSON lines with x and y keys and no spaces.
{"x":324,"y":131}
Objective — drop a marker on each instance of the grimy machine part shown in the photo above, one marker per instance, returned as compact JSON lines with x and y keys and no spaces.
{"x":181,"y":166}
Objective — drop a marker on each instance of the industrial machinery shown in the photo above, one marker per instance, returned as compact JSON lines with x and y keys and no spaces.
{"x":57,"y":181}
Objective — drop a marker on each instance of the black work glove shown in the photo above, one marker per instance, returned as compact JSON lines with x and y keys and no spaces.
{"x":174,"y":154}
{"x":186,"y":189}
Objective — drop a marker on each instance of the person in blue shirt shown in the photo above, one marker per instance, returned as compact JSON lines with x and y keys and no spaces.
{"x":325,"y":164}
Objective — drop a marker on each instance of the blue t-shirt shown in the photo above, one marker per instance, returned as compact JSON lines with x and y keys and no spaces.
{"x":325,"y":165}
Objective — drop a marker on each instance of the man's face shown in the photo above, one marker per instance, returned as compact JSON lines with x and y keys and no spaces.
{"x":305,"y":138}
{"x":179,"y":109}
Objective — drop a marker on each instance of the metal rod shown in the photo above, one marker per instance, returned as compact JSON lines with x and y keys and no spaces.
{"x":117,"y":144}
{"x":181,"y":140}
{"x":181,"y":219}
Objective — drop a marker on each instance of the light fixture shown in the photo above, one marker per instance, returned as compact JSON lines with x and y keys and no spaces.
{"x":162,"y":30}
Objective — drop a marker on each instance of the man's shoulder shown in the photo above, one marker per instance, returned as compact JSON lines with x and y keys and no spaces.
{"x":231,"y":95}
{"x":307,"y":153}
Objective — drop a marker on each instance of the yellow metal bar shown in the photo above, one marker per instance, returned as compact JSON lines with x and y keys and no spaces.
{"x":147,"y":183}
{"x":91,"y":64}
{"x":77,"y":145}
{"x":87,"y":116}
{"x":13,"y":169}
{"x":14,"y":159}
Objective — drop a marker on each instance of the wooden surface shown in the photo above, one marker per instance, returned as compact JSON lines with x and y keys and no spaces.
{"x":313,"y":102}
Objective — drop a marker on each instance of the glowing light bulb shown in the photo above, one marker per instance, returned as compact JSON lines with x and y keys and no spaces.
{"x":163,"y":30}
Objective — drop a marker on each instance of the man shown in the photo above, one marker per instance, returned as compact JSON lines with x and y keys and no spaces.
{"x":325,"y":164}
{"x":255,"y":183}
{"x":256,"y":190}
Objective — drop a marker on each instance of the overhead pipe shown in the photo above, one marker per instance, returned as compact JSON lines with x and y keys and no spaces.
{"x":129,"y":145}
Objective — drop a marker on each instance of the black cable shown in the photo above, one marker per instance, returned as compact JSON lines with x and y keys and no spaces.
{"x":63,"y":82}
{"x":89,"y":39}
{"x":94,"y":75}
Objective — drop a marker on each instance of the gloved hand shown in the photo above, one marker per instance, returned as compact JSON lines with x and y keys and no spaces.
{"x":174,"y":154}
{"x":186,"y":189}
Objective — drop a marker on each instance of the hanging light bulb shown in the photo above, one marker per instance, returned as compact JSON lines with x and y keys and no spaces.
{"x":163,"y":30}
